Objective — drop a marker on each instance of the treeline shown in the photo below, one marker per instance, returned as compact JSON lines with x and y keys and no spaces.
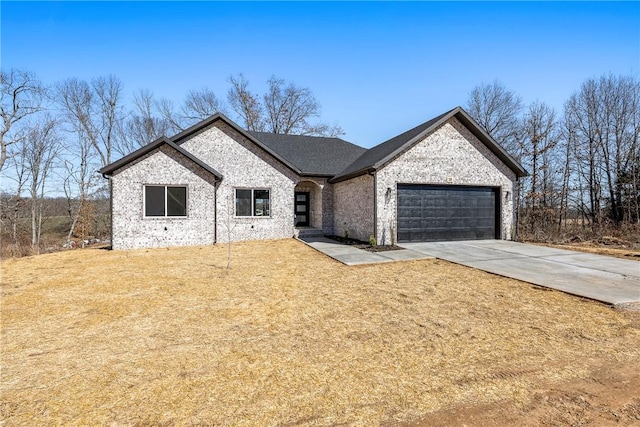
{"x":584,"y":161}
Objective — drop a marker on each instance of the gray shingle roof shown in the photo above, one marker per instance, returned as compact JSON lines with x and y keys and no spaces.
{"x":372,"y":156}
{"x":381,"y":154}
{"x":330,"y":157}
{"x":311,"y":155}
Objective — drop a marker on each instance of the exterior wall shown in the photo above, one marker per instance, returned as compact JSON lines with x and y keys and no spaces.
{"x":244,"y":165}
{"x":451,"y":155}
{"x":327,"y":208}
{"x":353,"y":207}
{"x":130,"y":229}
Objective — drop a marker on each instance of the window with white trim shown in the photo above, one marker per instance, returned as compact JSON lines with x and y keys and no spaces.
{"x":165,"y":200}
{"x":253,"y":202}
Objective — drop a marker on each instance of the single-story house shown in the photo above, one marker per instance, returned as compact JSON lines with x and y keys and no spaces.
{"x":445,"y":179}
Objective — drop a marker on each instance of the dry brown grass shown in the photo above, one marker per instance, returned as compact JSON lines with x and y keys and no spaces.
{"x":285,"y":337}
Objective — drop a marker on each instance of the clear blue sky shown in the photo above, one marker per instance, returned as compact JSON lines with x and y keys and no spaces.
{"x":377,"y":68}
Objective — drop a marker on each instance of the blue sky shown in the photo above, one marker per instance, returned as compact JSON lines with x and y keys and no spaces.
{"x":377,"y":68}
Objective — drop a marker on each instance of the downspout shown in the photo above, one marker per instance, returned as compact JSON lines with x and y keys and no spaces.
{"x":375,"y":205}
{"x":516,"y":209}
{"x":111,"y":211}
{"x":108,"y":177}
{"x":215,"y":211}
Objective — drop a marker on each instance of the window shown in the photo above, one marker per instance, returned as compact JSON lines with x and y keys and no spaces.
{"x":164,"y":200}
{"x":252,"y":202}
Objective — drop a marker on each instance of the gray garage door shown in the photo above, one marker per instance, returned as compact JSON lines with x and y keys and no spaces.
{"x":428,"y":213}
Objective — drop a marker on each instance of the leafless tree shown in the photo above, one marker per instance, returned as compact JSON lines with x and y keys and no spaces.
{"x":42,"y":147}
{"x":290,"y":108}
{"x":285,"y":108}
{"x":497,"y":109}
{"x":79,"y":181}
{"x":15,"y":204}
{"x":144,"y":124}
{"x":22,"y":96}
{"x":95,"y":111}
{"x":246,"y":104}
{"x":538,"y":137}
{"x":604,"y":116}
{"x":198,"y":105}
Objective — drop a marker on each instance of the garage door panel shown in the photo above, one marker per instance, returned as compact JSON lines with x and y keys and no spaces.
{"x":441,"y":213}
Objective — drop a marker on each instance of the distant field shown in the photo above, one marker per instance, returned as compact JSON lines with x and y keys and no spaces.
{"x":290,"y":337}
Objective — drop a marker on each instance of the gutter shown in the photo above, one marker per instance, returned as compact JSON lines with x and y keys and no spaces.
{"x":359,"y":172}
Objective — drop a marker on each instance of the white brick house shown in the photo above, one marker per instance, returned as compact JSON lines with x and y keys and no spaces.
{"x":445,"y":179}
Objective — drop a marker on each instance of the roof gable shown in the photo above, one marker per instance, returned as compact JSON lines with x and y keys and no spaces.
{"x":379,"y":155}
{"x":185,"y":134}
{"x":113,"y":167}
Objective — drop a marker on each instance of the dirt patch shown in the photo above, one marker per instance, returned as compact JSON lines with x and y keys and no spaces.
{"x":290,"y":337}
{"x":364,"y":245}
{"x":607,"y":395}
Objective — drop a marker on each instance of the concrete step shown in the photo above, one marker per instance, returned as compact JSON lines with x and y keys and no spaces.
{"x":309,"y":232}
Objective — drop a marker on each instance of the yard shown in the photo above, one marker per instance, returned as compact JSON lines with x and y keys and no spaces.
{"x":287,"y":336}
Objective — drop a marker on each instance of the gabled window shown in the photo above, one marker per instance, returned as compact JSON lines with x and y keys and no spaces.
{"x":252,"y":202}
{"x":165,"y":200}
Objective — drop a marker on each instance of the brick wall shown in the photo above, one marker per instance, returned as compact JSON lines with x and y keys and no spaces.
{"x":353,"y":207}
{"x":162,"y":166}
{"x":450,"y":155}
{"x":244,"y":165}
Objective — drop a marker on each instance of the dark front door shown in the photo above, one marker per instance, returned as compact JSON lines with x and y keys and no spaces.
{"x":429,"y":213}
{"x":302,"y":208}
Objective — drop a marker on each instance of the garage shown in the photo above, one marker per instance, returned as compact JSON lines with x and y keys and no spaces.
{"x":429,"y":213}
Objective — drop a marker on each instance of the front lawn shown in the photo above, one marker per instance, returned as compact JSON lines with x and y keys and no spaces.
{"x":286,"y":336}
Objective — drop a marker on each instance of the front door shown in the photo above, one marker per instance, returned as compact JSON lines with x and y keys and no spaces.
{"x":302,"y":208}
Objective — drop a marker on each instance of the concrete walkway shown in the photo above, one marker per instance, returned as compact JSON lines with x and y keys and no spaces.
{"x":353,"y":256}
{"x":602,"y":278}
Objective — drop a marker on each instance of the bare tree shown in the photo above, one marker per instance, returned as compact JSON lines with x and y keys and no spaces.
{"x":16,"y":202}
{"x":198,"y":105}
{"x":79,"y":181}
{"x":604,"y":117}
{"x":538,"y":137}
{"x":285,"y":108}
{"x":245,"y":104}
{"x":22,"y":96}
{"x":143,"y":124}
{"x":41,"y":149}
{"x":497,"y":109}
{"x":289,"y":110}
{"x":95,"y":111}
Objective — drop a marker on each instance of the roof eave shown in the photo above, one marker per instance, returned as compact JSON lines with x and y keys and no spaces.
{"x":108,"y":170}
{"x":351,"y":175}
{"x":112,"y":167}
{"x":470,"y":124}
{"x":316,"y":175}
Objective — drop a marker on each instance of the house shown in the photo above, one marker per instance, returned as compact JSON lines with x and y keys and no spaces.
{"x":445,"y":179}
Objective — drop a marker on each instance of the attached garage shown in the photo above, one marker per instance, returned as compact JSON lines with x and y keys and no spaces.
{"x":428,"y":213}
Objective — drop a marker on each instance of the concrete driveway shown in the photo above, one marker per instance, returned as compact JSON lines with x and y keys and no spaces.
{"x":602,"y":278}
